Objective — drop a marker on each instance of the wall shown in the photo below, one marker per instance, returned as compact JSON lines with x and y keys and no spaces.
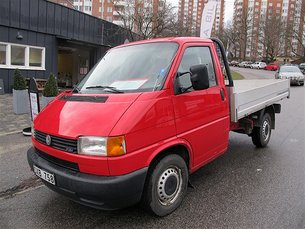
{"x":29,"y":38}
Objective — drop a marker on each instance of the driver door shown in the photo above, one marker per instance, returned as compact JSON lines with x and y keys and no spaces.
{"x":202,"y":116}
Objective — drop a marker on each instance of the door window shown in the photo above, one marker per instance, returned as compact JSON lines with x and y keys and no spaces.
{"x":194,"y":56}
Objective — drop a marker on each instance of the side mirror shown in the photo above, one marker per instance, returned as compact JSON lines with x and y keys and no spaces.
{"x":199,"y":77}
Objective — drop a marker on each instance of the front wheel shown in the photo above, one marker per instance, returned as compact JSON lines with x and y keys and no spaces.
{"x":262,"y":134}
{"x":167,"y":185}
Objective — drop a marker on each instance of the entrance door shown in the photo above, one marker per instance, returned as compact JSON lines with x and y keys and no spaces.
{"x":73,"y":64}
{"x":202,"y":116}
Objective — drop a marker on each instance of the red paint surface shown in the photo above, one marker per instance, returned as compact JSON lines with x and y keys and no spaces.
{"x":150,"y":121}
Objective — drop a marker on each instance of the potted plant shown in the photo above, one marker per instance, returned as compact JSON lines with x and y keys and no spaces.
{"x":20,"y":94}
{"x":50,"y":90}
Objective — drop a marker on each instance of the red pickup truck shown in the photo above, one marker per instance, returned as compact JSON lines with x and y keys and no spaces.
{"x":148,"y":115}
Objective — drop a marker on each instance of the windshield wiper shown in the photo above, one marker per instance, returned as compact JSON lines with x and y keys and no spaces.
{"x":112,"y":89}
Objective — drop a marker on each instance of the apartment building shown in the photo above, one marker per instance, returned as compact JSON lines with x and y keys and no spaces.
{"x":110,"y":10}
{"x":190,"y":12}
{"x":256,"y":20}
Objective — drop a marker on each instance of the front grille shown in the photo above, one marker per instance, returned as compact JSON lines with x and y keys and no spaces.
{"x":64,"y":144}
{"x":62,"y":163}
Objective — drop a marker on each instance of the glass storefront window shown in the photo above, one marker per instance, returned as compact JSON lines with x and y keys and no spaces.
{"x":35,"y":59}
{"x":17,"y":55}
{"x":2,"y":54}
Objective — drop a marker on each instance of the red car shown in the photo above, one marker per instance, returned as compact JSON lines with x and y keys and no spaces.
{"x":272,"y":67}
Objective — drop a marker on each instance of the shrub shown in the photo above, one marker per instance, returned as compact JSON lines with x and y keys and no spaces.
{"x":19,"y":81}
{"x":50,"y":89}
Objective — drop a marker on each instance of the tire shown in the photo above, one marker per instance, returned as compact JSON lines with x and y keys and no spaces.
{"x":261,"y":135}
{"x":166,"y":186}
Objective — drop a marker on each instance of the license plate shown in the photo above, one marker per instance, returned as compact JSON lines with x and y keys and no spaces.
{"x":49,"y":177}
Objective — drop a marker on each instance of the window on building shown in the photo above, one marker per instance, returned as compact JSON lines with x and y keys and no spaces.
{"x":17,"y":55}
{"x":35,"y":57}
{"x":270,"y":4}
{"x":3,"y":54}
{"x":109,"y":9}
{"x":22,"y":56}
{"x":100,"y":9}
{"x":109,"y":18}
{"x":278,"y":4}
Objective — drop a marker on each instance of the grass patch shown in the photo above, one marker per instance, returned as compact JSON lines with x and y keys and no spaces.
{"x":236,"y":76}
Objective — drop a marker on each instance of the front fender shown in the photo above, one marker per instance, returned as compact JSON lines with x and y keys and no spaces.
{"x":171,"y":144}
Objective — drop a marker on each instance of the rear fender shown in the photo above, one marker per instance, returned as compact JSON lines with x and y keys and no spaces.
{"x":271,"y":110}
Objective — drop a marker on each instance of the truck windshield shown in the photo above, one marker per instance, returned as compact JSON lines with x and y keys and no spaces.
{"x":134,"y":68}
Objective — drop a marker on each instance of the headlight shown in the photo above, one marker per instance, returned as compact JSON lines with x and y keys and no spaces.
{"x":101,"y":146}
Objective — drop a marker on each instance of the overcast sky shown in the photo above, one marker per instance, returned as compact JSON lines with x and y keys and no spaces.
{"x":228,"y":8}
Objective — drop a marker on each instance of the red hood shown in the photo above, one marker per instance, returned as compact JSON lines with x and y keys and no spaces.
{"x":74,"y":118}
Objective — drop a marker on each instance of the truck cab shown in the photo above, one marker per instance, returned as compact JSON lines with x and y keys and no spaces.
{"x":148,"y":115}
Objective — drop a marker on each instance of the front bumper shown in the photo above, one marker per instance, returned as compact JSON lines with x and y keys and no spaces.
{"x":101,"y":192}
{"x":296,"y":81}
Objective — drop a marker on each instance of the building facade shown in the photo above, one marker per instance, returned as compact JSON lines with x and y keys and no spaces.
{"x":111,"y":10}
{"x":40,"y":37}
{"x":269,"y":28}
{"x":190,"y":12}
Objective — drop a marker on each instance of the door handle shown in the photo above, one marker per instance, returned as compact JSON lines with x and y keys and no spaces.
{"x":222,"y":94}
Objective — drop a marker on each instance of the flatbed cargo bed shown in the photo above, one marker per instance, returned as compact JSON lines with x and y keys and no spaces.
{"x":249,"y":96}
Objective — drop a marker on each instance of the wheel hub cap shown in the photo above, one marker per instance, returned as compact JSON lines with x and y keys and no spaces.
{"x":169,"y":185}
{"x":266,"y":130}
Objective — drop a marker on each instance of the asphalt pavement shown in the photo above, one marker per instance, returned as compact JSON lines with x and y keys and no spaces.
{"x":245,"y":188}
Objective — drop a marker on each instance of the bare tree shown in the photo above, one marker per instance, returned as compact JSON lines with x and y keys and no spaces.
{"x":231,"y":39}
{"x":144,"y":17}
{"x":270,"y":35}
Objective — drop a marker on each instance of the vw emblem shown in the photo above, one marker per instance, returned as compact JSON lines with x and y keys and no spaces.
{"x":48,"y":140}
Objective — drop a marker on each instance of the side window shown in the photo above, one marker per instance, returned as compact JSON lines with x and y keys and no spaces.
{"x":194,"y":56}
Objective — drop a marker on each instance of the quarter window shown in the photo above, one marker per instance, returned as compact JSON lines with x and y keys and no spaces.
{"x":194,"y":56}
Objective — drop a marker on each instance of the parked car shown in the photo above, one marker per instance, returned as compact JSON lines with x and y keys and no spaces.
{"x":243,"y":64}
{"x":133,"y":131}
{"x":249,"y":64}
{"x":234,"y":63}
{"x":272,"y":67}
{"x":302,"y":67}
{"x":291,"y":72}
{"x":259,"y":65}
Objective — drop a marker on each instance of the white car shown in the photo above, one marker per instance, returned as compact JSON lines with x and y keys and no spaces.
{"x":259,"y":65}
{"x":293,"y":73}
{"x":243,"y":64}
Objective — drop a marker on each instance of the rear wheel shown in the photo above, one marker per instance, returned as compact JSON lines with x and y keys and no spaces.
{"x":262,"y":134}
{"x":167,"y":185}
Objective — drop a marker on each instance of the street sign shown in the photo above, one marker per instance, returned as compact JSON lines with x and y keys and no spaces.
{"x":34,"y":98}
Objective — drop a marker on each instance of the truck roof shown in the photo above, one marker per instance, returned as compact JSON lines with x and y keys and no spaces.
{"x":179,"y":40}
